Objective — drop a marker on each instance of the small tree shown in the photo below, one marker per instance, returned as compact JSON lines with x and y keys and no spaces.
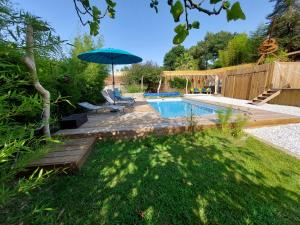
{"x":237,"y":52}
{"x":172,"y":56}
{"x":147,"y":74}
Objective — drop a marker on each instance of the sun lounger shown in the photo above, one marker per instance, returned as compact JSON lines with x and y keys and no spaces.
{"x":119,"y":96}
{"x":90,"y":107}
{"x":110,"y":98}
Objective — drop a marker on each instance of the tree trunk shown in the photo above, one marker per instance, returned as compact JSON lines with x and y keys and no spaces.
{"x":186,"y":85}
{"x":142,"y":84}
{"x":159,"y":84}
{"x":30,"y":63}
{"x":216,"y":84}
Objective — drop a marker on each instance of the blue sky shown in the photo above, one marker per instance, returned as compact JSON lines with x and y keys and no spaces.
{"x":138,"y":29}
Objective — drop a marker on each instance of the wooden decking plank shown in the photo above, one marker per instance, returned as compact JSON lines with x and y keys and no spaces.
{"x":72,"y":153}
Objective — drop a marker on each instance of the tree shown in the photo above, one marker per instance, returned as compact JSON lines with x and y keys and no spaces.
{"x":172,"y":56}
{"x":148,"y":74}
{"x":186,"y":62}
{"x":237,"y":51}
{"x":178,"y":9}
{"x":285,"y":23}
{"x":32,"y":35}
{"x":85,"y":80}
{"x":256,"y":39}
{"x":206,"y":52}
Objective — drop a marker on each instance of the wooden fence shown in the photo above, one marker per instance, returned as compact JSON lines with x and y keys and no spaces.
{"x":286,"y":74}
{"x":247,"y":83}
{"x":288,"y":96}
{"x":250,"y":82}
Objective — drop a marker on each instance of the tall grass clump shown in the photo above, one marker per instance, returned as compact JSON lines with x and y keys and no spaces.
{"x":224,"y":117}
{"x":240,"y":122}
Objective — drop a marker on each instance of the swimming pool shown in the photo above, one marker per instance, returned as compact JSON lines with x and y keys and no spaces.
{"x":176,"y":108}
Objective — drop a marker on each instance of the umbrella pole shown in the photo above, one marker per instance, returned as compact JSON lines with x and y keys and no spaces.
{"x":113,"y":75}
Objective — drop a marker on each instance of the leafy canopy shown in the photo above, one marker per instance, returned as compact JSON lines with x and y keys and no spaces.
{"x":179,"y":9}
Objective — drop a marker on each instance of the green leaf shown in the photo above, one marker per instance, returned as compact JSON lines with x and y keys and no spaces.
{"x":177,"y":10}
{"x":226,"y":5}
{"x":235,"y":12}
{"x":96,"y":13}
{"x":181,"y":35}
{"x":85,"y":3}
{"x":196,"y":25}
{"x":214,"y":1}
{"x":111,"y":3}
{"x":179,"y":28}
{"x":94,"y":28}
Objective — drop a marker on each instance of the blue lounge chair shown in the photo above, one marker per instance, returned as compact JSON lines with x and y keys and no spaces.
{"x":119,"y":96}
{"x":196,"y":91}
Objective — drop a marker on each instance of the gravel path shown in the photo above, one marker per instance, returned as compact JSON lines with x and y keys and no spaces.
{"x":286,"y":137}
{"x":291,"y":110}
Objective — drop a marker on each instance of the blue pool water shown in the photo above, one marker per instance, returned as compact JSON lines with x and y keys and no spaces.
{"x":182,"y":108}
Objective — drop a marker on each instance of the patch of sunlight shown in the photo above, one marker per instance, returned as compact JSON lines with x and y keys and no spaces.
{"x":162,"y":147}
{"x":237,"y":177}
{"x":117,"y":162}
{"x":107,"y":171}
{"x":131,"y":167}
{"x":156,"y":177}
{"x":134,"y":192}
{"x":248,"y":221}
{"x":202,"y":202}
{"x":149,"y":213}
{"x":161,"y":159}
{"x":179,"y":161}
{"x":105,"y":209}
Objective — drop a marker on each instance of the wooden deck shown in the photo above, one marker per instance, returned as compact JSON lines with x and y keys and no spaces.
{"x":139,"y":121}
{"x":143,"y":120}
{"x":71,"y":154}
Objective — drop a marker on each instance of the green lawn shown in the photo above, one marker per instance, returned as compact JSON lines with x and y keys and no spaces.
{"x":205,"y":178}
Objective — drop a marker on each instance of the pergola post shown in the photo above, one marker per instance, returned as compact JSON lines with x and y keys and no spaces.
{"x":216,"y":84}
{"x":186,"y":85}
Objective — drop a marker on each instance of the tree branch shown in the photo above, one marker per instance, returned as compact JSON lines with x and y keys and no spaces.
{"x":193,"y":5}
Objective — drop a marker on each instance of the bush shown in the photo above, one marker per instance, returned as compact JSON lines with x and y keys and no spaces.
{"x":239,"y":124}
{"x":20,"y":110}
{"x":224,"y":117}
{"x":148,"y":72}
{"x":133,"y":88}
{"x":72,"y":78}
{"x":179,"y":83}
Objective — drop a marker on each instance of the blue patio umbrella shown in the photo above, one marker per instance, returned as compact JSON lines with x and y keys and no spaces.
{"x":110,"y":56}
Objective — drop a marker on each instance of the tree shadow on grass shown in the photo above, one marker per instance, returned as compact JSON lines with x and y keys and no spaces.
{"x":180,"y":179}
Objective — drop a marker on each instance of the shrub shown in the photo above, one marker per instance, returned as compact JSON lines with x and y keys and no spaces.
{"x":239,"y":124}
{"x":224,"y":117}
{"x":179,"y":83}
{"x":133,"y":88}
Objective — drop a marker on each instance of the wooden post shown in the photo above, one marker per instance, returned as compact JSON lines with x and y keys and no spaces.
{"x":216,"y":84}
{"x":142,"y":84}
{"x":159,"y":84}
{"x":30,"y":64}
{"x":186,"y":85}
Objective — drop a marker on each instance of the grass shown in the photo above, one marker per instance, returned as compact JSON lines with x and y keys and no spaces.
{"x":201,"y":178}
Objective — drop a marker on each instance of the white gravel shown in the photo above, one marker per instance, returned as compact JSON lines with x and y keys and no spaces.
{"x":291,"y":110}
{"x":286,"y":137}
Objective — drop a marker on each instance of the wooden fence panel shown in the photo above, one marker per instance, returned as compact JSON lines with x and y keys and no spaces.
{"x":241,"y":86}
{"x":288,"y":97}
{"x":286,"y":74}
{"x":247,"y":83}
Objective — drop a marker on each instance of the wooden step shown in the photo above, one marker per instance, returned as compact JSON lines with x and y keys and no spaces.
{"x":262,"y":97}
{"x":70,"y":154}
{"x":265,"y":97}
